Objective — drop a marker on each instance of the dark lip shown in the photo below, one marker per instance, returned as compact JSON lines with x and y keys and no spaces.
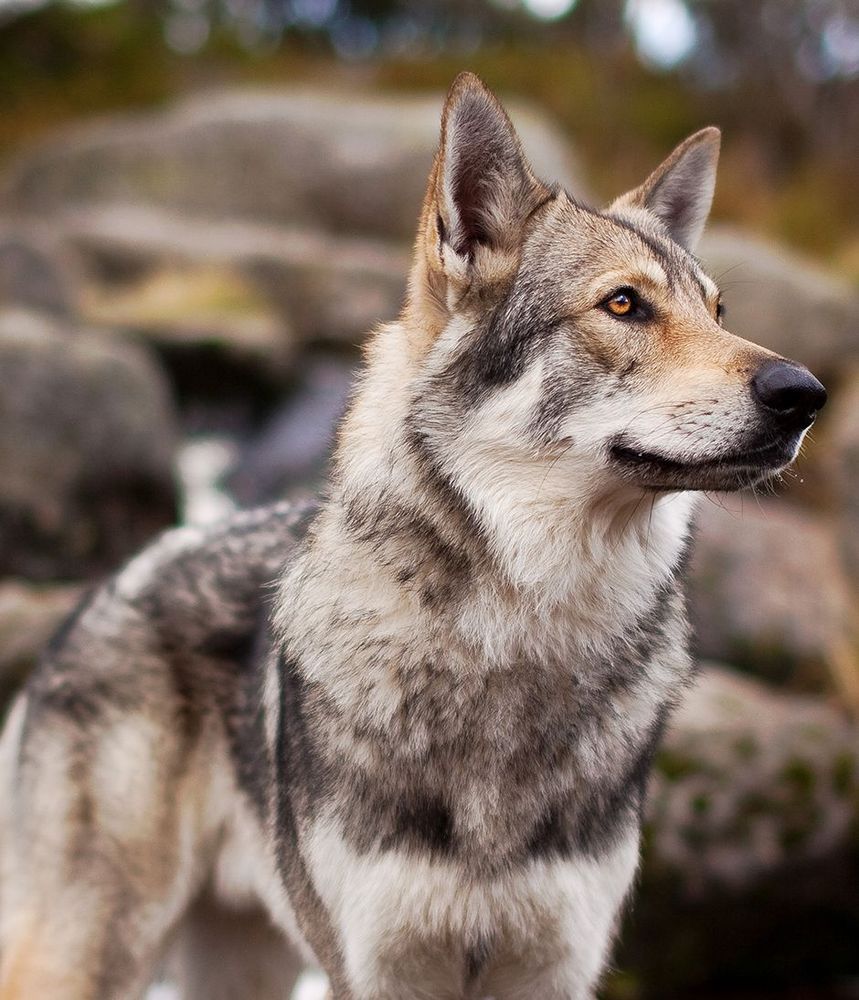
{"x":772,"y":455}
{"x":729,"y":471}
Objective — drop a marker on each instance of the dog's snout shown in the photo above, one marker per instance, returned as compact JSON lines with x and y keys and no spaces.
{"x":790,"y":391}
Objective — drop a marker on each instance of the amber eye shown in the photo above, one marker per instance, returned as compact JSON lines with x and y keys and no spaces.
{"x":622,"y":303}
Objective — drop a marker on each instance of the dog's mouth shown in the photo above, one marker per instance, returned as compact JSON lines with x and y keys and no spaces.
{"x":728,"y":471}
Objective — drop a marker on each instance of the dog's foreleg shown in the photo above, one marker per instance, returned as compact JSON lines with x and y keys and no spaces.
{"x":98,"y":861}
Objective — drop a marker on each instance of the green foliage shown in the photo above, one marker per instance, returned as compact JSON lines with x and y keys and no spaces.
{"x":60,"y":64}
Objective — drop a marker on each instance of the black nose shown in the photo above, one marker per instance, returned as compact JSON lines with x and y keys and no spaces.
{"x":790,"y":391}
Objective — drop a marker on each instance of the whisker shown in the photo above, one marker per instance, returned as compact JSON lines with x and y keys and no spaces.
{"x":628,"y":522}
{"x":552,"y":465}
{"x":650,"y":522}
{"x":731,"y":267}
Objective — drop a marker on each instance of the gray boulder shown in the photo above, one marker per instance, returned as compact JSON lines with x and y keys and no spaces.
{"x":87,"y":440}
{"x":34,"y":272}
{"x":228,"y":349}
{"x":840,"y":464}
{"x":322,"y":287}
{"x":748,"y":883}
{"x":783,"y":301}
{"x":312,"y":196}
{"x":768,"y":593}
{"x":193,"y":305}
{"x":751,"y":780}
{"x":345,"y":162}
{"x":29,"y":615}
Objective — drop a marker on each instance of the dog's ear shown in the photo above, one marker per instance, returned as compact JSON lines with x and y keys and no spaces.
{"x":481,"y":191}
{"x":484,"y":186}
{"x":680,"y":191}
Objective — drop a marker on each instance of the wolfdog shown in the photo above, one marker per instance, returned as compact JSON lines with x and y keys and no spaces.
{"x":406,"y":735}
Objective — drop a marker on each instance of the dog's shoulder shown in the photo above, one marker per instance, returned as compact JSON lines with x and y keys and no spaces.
{"x":222,"y":572}
{"x":189,"y":607}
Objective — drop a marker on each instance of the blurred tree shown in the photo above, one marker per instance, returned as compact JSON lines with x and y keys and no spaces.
{"x":781,"y":75}
{"x":796,"y":61}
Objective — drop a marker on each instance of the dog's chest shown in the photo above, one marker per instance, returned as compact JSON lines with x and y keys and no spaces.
{"x":461,"y":936}
{"x":492,"y":767}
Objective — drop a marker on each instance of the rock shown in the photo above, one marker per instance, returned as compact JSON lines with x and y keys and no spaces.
{"x":228,"y":350}
{"x":87,"y":441}
{"x":751,"y":852}
{"x":292,"y":450}
{"x":337,"y":291}
{"x":768,"y":593}
{"x":34,"y":273}
{"x":751,"y":780}
{"x":312,"y":197}
{"x":29,"y":615}
{"x":783,"y":301}
{"x":840,"y":463}
{"x":323,"y":287}
{"x":345,"y":162}
{"x":187,"y":306}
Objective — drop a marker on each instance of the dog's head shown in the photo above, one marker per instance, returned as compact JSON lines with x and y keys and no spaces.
{"x":551,"y":335}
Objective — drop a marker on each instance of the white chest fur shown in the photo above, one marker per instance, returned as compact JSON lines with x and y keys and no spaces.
{"x":413,"y":927}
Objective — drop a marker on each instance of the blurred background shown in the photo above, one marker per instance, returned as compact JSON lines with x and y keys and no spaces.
{"x":204,"y":206}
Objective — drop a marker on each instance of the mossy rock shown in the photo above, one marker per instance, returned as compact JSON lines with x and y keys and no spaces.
{"x":751,"y":859}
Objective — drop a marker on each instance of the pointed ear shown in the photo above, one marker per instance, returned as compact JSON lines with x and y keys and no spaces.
{"x":680,"y":191}
{"x":482,"y":188}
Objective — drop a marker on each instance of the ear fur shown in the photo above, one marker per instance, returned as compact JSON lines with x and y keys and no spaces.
{"x":481,"y":191}
{"x":680,"y":191}
{"x":484,"y":179}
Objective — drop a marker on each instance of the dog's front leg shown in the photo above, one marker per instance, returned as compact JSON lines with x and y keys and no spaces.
{"x":94,"y":869}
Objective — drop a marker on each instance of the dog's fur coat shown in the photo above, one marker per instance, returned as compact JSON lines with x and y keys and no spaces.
{"x":419,"y":759}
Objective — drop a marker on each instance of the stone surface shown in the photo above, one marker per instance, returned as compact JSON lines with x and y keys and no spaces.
{"x":229,"y":351}
{"x":87,"y":442}
{"x":751,"y":856}
{"x":322,"y":287}
{"x":768,"y":593}
{"x":34,"y":272}
{"x":342,"y":162}
{"x":839,"y":461}
{"x":292,"y":449}
{"x":184,"y":305}
{"x":29,"y":615}
{"x":751,"y":780}
{"x":783,"y":301}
